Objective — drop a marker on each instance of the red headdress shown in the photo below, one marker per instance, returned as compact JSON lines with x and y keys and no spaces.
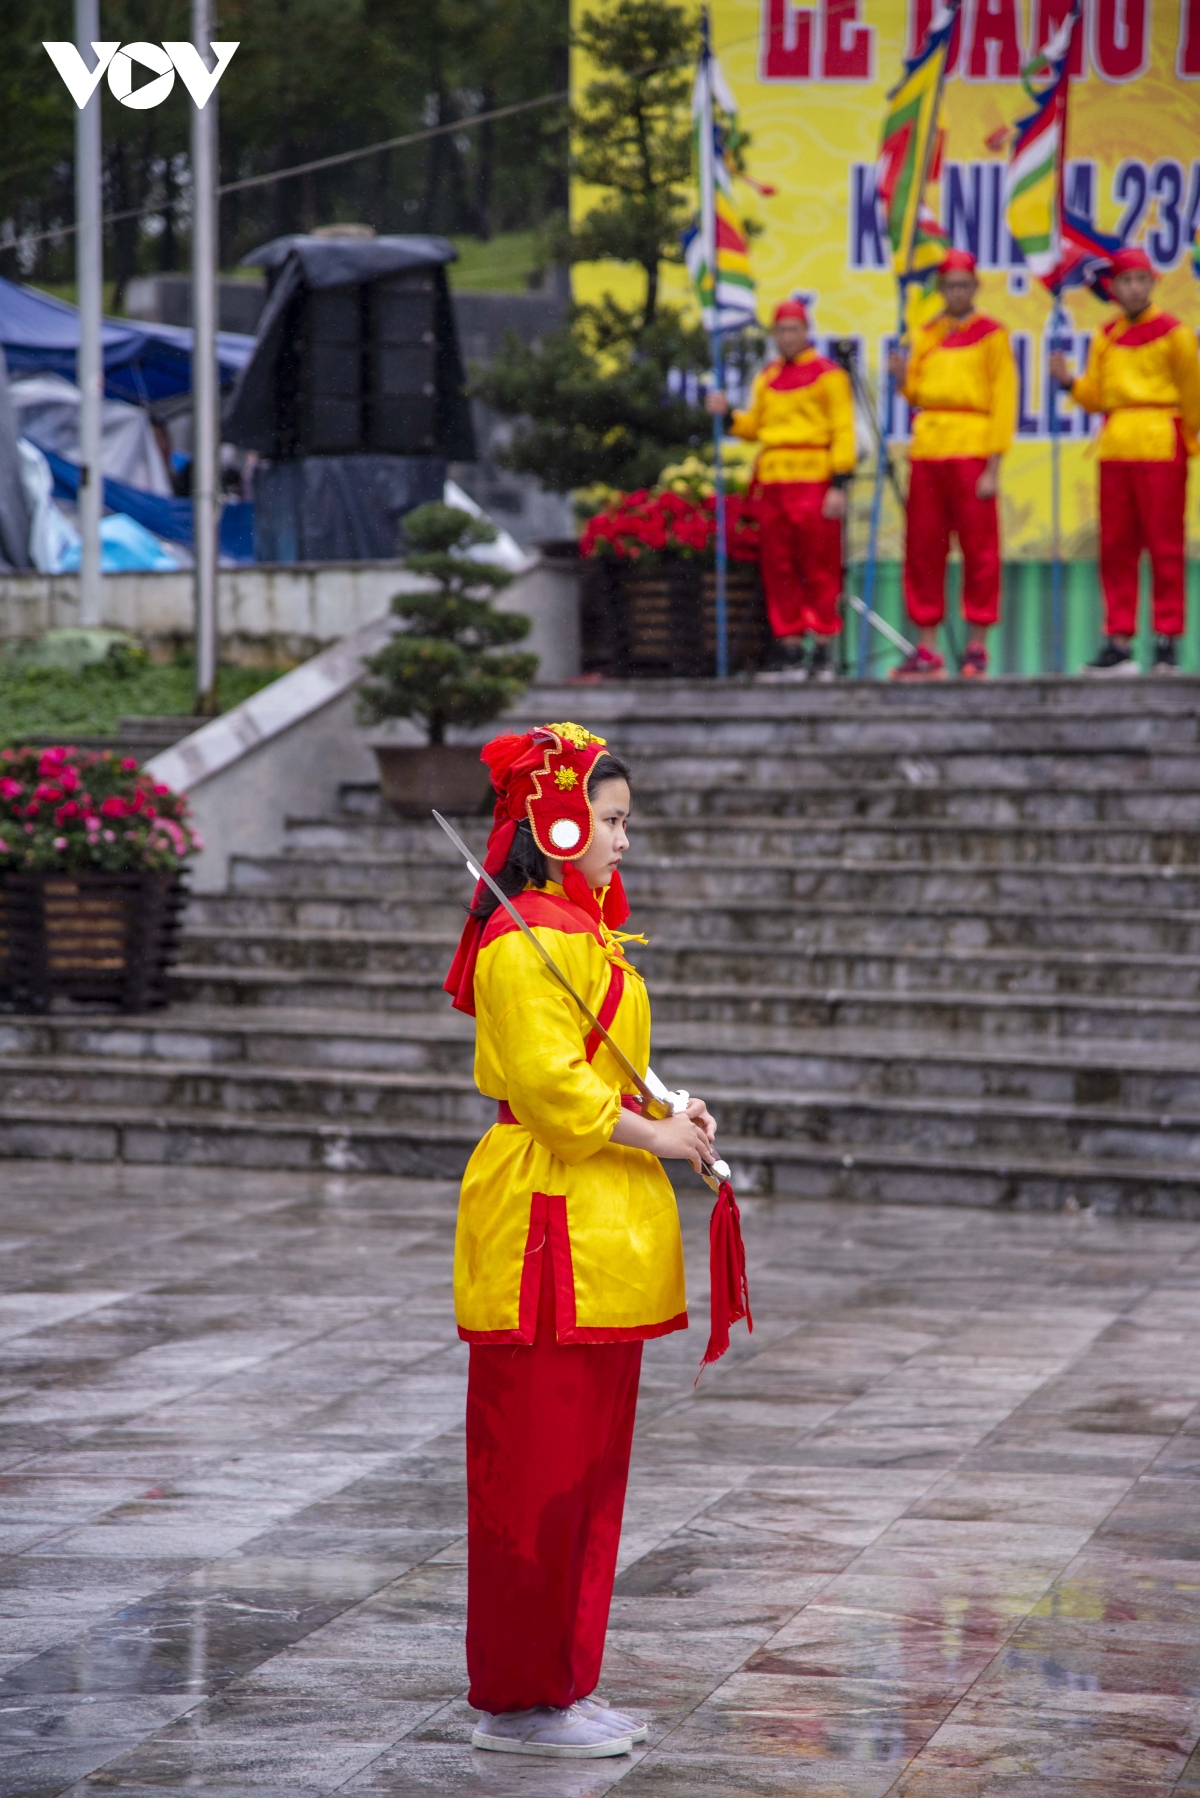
{"x":793,"y":307}
{"x":541,"y":777}
{"x":1130,"y":257}
{"x":957,"y":262}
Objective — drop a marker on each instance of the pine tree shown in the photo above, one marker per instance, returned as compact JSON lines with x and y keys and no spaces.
{"x":593,"y":398}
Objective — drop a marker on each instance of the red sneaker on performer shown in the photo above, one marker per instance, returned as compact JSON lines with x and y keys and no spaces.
{"x":921,"y":664}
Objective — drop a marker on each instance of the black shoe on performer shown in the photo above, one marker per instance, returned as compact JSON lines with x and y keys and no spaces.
{"x":1165,"y":659}
{"x":1112,"y":659}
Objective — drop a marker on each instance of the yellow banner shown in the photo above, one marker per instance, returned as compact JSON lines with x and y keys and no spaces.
{"x":810,"y":83}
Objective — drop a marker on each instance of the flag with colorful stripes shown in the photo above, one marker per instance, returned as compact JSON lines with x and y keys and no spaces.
{"x":1033,"y":183}
{"x":715,"y":247}
{"x":907,"y":148}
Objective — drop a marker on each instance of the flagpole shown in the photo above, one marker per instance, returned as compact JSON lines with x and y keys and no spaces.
{"x":881,"y":461}
{"x":1058,"y":319}
{"x":708,"y":228}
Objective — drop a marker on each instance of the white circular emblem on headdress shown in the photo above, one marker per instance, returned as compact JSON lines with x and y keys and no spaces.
{"x":565,"y":833}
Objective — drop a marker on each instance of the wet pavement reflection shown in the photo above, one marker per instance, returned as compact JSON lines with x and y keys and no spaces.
{"x":930,"y":1533}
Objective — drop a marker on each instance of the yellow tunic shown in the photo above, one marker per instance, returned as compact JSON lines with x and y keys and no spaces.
{"x":803,"y":415}
{"x":1144,"y":374}
{"x":551,"y":1179}
{"x":963,"y":382}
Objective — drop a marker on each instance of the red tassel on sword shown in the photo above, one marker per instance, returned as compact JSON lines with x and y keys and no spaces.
{"x":729,"y":1294}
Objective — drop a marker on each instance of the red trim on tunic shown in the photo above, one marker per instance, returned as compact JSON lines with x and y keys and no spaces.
{"x":975,"y":332}
{"x":1137,"y":336}
{"x":506,"y":1115}
{"x":789,"y":376}
{"x":608,"y":1010}
{"x":548,"y":1227}
{"x":550,"y":910}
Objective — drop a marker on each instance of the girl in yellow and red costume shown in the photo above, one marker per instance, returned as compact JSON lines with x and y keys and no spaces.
{"x":568,"y":1253}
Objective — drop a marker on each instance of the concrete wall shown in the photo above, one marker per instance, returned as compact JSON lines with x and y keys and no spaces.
{"x":284,"y":751}
{"x":292,"y":612}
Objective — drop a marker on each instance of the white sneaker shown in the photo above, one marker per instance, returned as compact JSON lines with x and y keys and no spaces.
{"x":603,"y":1713}
{"x":572,"y":1734}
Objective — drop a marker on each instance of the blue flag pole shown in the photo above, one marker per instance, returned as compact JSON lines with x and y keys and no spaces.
{"x":881,"y":465}
{"x":1058,"y":319}
{"x":722,"y":608}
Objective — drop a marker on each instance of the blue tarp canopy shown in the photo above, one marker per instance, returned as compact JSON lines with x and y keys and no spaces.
{"x":169,"y":518}
{"x":142,"y":362}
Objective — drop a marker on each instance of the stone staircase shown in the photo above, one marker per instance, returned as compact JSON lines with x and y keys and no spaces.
{"x":932,"y":945}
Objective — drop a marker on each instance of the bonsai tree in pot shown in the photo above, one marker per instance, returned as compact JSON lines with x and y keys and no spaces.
{"x":449,"y":667}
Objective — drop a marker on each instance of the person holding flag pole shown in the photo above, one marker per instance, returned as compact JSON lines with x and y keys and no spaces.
{"x":909,"y":143}
{"x":717,"y":258}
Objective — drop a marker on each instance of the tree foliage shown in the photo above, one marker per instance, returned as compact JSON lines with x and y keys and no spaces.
{"x":310,"y":78}
{"x":445,"y":668}
{"x":595,"y":401}
{"x":631,"y":136}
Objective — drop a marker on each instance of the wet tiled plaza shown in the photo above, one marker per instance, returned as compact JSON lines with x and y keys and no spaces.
{"x":932,"y":1531}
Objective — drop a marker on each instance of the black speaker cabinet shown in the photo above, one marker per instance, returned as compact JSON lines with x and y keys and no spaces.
{"x":365,"y":362}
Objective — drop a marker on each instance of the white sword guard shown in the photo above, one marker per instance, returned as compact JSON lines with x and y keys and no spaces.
{"x":678,"y":1101}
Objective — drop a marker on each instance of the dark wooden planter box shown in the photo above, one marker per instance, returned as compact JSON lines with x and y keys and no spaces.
{"x":663,"y":621}
{"x":94,"y":937}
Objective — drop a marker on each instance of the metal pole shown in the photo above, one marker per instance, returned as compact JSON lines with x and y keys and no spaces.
{"x":1057,"y":619}
{"x":882,"y":470}
{"x":89,"y":283}
{"x":205,"y":421}
{"x":722,"y":608}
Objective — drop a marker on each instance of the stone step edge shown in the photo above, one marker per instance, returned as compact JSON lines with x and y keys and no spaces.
{"x":812,"y":906}
{"x":1053,"y":827}
{"x":703,"y":864}
{"x":225,"y":1125}
{"x":397,"y":939}
{"x":383,"y":1079}
{"x":1130,"y":1054}
{"x":713,"y":992}
{"x":843,"y":1043}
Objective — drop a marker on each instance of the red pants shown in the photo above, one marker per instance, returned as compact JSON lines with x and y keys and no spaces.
{"x":800,"y":554}
{"x":1142,"y":507}
{"x":941,"y":499}
{"x":549,"y":1430}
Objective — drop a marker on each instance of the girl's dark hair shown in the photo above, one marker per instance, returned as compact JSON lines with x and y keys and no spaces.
{"x":526,"y":865}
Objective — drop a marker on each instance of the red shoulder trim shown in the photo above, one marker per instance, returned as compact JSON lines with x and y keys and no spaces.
{"x":975,"y":332}
{"x":551,"y":910}
{"x":792,"y":375}
{"x":1136,"y":337}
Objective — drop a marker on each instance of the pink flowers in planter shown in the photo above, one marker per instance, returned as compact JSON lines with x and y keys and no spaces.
{"x":58,"y":806}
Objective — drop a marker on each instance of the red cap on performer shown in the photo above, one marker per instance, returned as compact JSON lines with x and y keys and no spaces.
{"x":957,"y":260}
{"x":790,"y":309}
{"x":1129,"y":258}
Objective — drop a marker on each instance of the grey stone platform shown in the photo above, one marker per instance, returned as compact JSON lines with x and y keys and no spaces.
{"x":931,"y":1532}
{"x":935,"y":946}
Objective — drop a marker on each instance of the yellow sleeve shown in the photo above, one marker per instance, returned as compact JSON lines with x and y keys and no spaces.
{"x":745,"y":424}
{"x":921,"y":345}
{"x":1086,"y":390}
{"x":1185,"y":366}
{"x":1003,"y":372}
{"x":839,"y":401}
{"x":539,"y":1030}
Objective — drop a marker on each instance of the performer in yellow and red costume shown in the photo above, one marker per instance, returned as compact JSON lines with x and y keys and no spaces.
{"x":568,"y":1253}
{"x":802,"y":413}
{"x":1143,"y":374}
{"x":961,"y":381}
